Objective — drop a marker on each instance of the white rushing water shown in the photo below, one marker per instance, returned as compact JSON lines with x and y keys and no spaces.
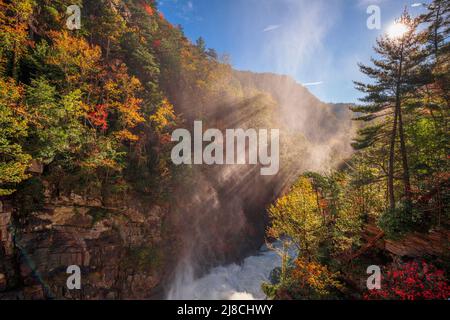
{"x":231,"y":282}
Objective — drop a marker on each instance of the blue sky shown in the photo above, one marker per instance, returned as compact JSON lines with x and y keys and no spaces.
{"x":317,"y":42}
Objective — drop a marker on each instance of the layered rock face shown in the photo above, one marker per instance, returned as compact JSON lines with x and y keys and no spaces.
{"x":7,"y":261}
{"x":118,"y":250}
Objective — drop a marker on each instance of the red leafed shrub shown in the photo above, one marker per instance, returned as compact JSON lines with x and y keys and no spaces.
{"x":99,"y":117}
{"x":411,"y":281}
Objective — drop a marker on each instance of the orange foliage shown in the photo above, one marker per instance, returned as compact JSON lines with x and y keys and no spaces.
{"x":313,"y":275}
{"x":75,"y":56}
{"x":148,"y":9}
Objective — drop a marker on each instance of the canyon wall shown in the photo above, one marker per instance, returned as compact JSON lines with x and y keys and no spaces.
{"x":119,"y":249}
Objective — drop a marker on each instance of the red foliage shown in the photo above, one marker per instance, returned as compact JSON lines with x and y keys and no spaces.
{"x":157,"y":43}
{"x":411,"y":281}
{"x":99,"y":116}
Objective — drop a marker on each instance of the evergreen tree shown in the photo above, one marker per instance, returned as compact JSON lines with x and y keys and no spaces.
{"x":395,"y":77}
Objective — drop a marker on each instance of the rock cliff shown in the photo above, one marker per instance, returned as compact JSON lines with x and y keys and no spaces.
{"x":119,"y":249}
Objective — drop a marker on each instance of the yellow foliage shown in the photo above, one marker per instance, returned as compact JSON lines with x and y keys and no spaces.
{"x":296,"y":216}
{"x":312,"y":275}
{"x":14,"y":17}
{"x":125,"y":135}
{"x":75,"y":56}
{"x":164,"y":118}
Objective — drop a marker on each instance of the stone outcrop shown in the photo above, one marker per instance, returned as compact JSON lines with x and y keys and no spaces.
{"x":118,"y":249}
{"x":434,"y":243}
{"x":416,"y":244}
{"x":7,"y":260}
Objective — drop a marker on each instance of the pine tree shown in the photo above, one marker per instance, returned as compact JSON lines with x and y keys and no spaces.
{"x":201,"y":45}
{"x":395,"y":77}
{"x":437,"y":31}
{"x":437,"y":48}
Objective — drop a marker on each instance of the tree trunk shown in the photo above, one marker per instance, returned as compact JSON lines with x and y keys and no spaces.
{"x":391,"y":163}
{"x":436,"y":32}
{"x":406,"y":178}
{"x":403,"y":152}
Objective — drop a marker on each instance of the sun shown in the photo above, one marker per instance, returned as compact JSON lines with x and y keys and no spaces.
{"x":397,"y":30}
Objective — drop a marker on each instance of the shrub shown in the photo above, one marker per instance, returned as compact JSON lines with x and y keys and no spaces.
{"x":411,"y":281}
{"x":304,"y":280}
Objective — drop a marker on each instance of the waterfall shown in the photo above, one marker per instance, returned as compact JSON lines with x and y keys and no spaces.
{"x":230,"y":282}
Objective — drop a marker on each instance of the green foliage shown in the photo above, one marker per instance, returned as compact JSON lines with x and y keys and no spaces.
{"x":13,"y":130}
{"x":399,"y":222}
{"x":56,"y":128}
{"x":143,"y":258}
{"x":14,"y":17}
{"x":406,"y":133}
{"x":96,"y":106}
{"x":99,"y":214}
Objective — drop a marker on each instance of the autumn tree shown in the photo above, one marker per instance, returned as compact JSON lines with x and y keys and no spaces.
{"x":13,"y":130}
{"x":306,"y":280}
{"x":14,"y":16}
{"x":296,"y":216}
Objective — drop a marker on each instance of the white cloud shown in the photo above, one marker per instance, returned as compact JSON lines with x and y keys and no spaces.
{"x":308,"y":84}
{"x":271,"y":27}
{"x":300,"y":43}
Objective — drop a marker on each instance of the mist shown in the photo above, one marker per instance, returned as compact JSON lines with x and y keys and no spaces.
{"x":220,"y":212}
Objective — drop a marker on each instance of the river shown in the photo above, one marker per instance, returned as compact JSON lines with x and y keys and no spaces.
{"x":231,"y":282}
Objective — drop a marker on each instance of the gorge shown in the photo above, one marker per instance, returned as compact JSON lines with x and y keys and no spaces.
{"x":219,"y":220}
{"x":225,"y":212}
{"x":156,"y":168}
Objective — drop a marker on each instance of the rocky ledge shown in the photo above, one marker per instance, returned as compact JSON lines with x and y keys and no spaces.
{"x":118,"y":249}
